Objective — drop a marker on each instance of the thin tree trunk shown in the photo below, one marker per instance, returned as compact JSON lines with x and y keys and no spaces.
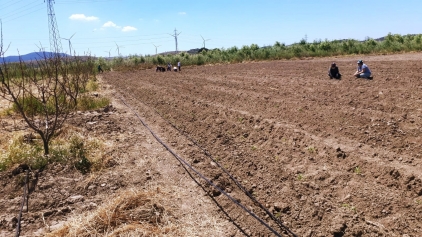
{"x":45,"y":143}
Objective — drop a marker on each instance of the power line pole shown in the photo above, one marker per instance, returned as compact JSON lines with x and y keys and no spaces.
{"x":175,"y":38}
{"x":55,"y":43}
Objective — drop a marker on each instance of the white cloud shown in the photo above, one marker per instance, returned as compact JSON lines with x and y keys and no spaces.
{"x":82,"y":17}
{"x":128,"y":28}
{"x":182,"y":13}
{"x":110,"y":24}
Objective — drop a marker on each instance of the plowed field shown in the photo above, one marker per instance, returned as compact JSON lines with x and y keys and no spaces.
{"x":328,"y":157}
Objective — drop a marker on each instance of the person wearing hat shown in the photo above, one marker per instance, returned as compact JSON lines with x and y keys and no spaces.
{"x":333,"y":72}
{"x":363,"y":71}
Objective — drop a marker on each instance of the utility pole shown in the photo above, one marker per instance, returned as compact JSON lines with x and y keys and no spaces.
{"x":175,"y":38}
{"x":55,"y":44}
{"x":204,"y":40}
{"x":156,"y":48}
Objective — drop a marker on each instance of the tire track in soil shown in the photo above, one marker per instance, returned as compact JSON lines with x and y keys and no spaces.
{"x":288,"y":157}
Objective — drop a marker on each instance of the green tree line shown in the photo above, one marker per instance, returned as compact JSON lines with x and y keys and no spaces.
{"x":392,"y":43}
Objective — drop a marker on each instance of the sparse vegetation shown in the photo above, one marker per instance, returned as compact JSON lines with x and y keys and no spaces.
{"x":357,"y":170}
{"x":44,"y":92}
{"x":311,"y":149}
{"x":69,"y":147}
{"x":86,"y":102}
{"x":300,"y":177}
{"x":349,"y":207}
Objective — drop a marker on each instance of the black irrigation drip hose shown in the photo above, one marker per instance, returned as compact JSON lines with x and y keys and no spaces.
{"x":181,"y":160}
{"x":225,"y":171}
{"x":18,"y":225}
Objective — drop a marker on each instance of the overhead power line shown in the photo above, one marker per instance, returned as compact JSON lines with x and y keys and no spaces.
{"x":135,"y":40}
{"x":12,"y":19}
{"x":27,"y":7}
{"x":11,"y":4}
{"x":86,"y":1}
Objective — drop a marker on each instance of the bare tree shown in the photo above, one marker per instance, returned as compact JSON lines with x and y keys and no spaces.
{"x":44,"y":92}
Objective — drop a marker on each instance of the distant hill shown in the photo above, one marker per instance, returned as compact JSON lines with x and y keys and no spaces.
{"x":31,"y":56}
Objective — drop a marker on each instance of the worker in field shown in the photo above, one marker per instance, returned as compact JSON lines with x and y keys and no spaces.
{"x":334,"y":72}
{"x":179,"y":65}
{"x":363,"y":71}
{"x":100,"y":69}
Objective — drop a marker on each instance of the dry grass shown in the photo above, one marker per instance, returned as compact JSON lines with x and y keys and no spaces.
{"x":151,"y":211}
{"x":14,"y":149}
{"x":130,"y":213}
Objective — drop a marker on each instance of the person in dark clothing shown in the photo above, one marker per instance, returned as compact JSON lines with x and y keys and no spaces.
{"x":334,"y":72}
{"x":100,"y":69}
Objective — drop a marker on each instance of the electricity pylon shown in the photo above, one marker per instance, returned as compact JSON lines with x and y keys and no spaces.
{"x":55,"y":43}
{"x":175,"y":38}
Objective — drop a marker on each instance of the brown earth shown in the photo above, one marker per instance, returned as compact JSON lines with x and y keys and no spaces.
{"x":135,"y":165}
{"x":328,"y":157}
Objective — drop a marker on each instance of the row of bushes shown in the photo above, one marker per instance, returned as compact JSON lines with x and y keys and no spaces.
{"x":318,"y":48}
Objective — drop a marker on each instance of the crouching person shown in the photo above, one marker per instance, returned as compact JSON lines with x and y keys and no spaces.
{"x":334,"y":72}
{"x":363,"y":71}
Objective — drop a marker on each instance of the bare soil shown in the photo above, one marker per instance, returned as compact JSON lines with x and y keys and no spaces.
{"x":134,"y":162}
{"x":329,"y":157}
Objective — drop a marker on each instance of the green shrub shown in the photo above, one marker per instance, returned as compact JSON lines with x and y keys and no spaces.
{"x":318,"y":48}
{"x":92,"y":85}
{"x":86,"y":102}
{"x":33,"y":106}
{"x":78,"y":153}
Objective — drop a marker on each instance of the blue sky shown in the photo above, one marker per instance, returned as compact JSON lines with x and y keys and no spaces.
{"x":135,"y":26}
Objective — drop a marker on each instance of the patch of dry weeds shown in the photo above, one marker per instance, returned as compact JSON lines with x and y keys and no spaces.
{"x":130,"y":213}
